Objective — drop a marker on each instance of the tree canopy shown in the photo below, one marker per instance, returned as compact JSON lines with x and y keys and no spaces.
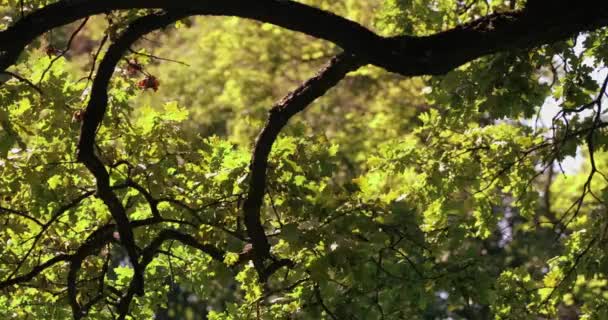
{"x":313,"y":159}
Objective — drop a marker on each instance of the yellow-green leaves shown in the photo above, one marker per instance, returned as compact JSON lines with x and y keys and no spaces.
{"x":231,"y":258}
{"x":173,"y":112}
{"x":152,"y":118}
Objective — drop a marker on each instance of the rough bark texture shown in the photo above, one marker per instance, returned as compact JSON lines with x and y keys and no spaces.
{"x":433,"y":54}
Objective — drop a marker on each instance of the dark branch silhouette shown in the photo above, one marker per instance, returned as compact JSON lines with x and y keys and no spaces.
{"x":407,"y":55}
{"x":93,"y":117}
{"x":278,"y":117}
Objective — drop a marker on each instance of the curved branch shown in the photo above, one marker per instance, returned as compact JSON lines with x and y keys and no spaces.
{"x":288,"y":14}
{"x":278,"y":117}
{"x":96,"y":108}
{"x":152,"y":202}
{"x":93,"y":116}
{"x":435,"y":54}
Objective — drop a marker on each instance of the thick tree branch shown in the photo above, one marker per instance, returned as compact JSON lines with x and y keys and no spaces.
{"x":278,"y":117}
{"x":435,"y":54}
{"x":93,"y":117}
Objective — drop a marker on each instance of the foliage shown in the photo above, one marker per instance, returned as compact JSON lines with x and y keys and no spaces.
{"x":389,"y":197}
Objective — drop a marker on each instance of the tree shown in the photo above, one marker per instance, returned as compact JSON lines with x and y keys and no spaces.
{"x":109,"y":205}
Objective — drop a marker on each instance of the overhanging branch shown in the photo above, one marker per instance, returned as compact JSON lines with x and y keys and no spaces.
{"x":435,"y":54}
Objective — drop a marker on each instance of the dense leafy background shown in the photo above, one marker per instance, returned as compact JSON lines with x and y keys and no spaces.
{"x":418,"y":198}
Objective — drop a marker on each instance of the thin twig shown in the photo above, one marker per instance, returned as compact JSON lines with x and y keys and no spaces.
{"x":24,"y":80}
{"x":67,"y":48}
{"x":156,"y":57}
